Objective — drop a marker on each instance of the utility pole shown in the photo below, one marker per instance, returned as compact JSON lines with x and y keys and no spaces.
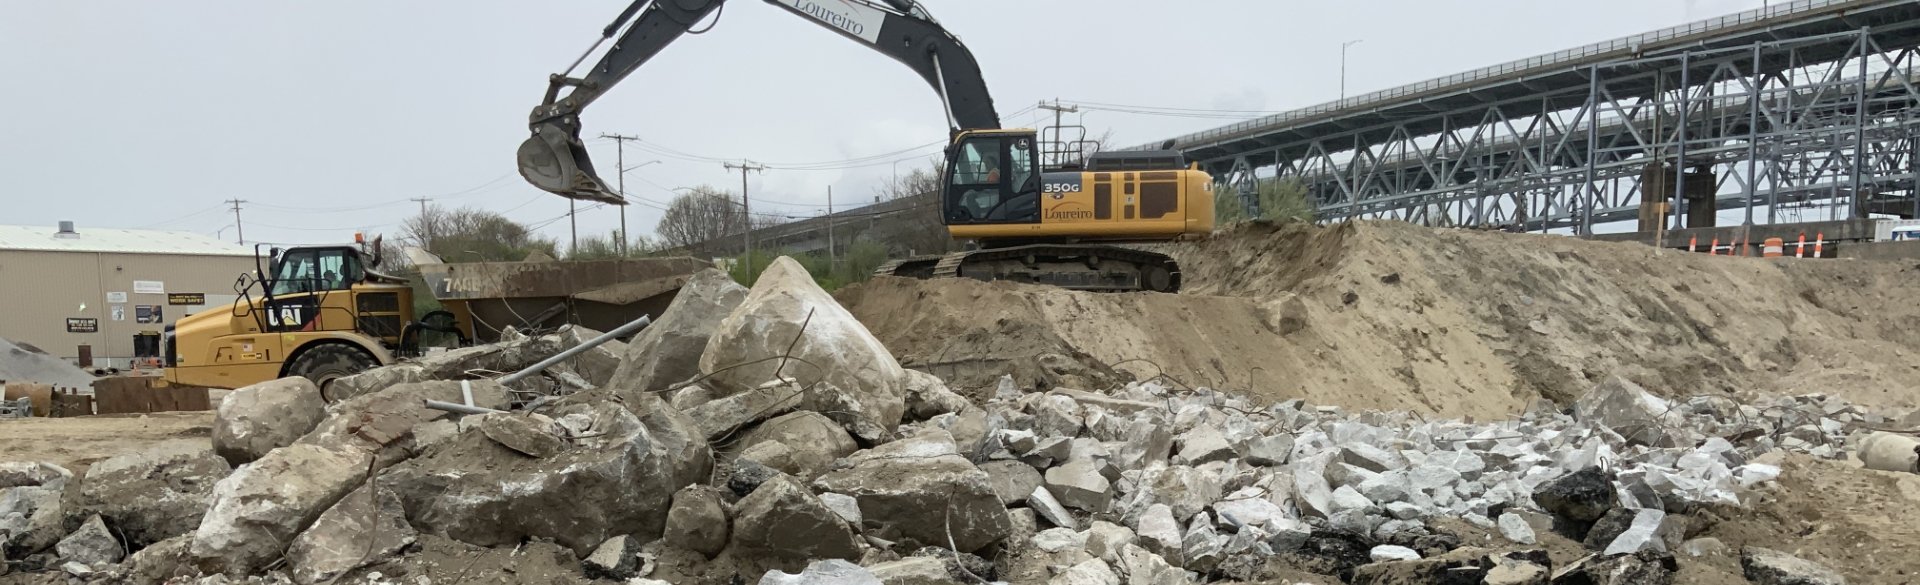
{"x":426,"y":226}
{"x":1060,"y":147}
{"x":746,"y":211}
{"x":832,"y":260}
{"x":240,"y":232}
{"x":620,"y":163}
{"x":1343,"y":66}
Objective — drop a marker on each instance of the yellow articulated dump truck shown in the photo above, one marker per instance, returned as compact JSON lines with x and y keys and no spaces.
{"x":316,"y":311}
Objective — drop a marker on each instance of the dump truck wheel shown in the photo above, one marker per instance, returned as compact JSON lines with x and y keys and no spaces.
{"x":328,"y":362}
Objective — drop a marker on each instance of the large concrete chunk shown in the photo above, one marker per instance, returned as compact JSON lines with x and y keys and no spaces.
{"x":698,"y":520}
{"x":262,"y":417}
{"x":618,"y":478}
{"x":854,"y":379}
{"x":812,"y":441}
{"x":1583,"y":496}
{"x":916,"y":491}
{"x":1079,"y":485}
{"x":1089,"y":572}
{"x":722,"y":416}
{"x":30,"y":518}
{"x":1619,"y":404}
{"x":259,"y":508}
{"x":928,"y":396}
{"x":783,"y":518}
{"x":1766,"y":566}
{"x":364,"y":528}
{"x":828,"y":572}
{"x":668,"y":351}
{"x":92,"y":545}
{"x":1204,"y":444}
{"x":914,"y":571}
{"x":1012,"y":480}
{"x":149,"y":495}
{"x":382,"y":422}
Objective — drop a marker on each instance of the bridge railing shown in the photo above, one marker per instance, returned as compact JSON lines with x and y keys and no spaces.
{"x":1640,"y":42}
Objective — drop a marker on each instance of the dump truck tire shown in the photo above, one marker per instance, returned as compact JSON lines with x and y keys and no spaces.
{"x":328,"y":362}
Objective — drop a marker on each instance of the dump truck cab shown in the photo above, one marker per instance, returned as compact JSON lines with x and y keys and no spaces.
{"x":316,"y":311}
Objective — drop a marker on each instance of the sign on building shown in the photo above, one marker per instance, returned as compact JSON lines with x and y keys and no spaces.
{"x":178,"y":299}
{"x":149,"y":287}
{"x":117,"y":296}
{"x":146,"y":314}
{"x":83,"y":325}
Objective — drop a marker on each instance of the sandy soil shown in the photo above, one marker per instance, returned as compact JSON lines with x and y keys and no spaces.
{"x":1450,"y":322}
{"x":76,"y":443}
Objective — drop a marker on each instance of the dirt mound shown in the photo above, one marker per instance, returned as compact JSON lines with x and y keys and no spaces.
{"x":25,"y":363}
{"x":1390,"y":316}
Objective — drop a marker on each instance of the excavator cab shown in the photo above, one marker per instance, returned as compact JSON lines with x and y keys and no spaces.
{"x":992,"y":178}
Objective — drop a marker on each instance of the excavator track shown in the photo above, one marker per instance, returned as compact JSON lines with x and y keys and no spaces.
{"x":1071,"y":266}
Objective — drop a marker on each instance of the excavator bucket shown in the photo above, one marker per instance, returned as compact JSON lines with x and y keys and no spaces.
{"x":554,"y":160}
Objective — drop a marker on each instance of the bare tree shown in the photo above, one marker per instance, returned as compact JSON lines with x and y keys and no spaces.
{"x":700,"y":215}
{"x":473,"y":235}
{"x":916,"y":229}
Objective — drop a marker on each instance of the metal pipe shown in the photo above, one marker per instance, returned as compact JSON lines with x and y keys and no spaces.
{"x":623,"y":330}
{"x":459,"y":408}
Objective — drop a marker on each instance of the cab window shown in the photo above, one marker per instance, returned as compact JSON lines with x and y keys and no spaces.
{"x":301,"y":271}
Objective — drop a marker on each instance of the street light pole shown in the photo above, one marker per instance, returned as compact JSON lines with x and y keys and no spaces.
{"x":1343,"y":66}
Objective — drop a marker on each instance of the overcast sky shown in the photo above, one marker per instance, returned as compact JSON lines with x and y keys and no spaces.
{"x":328,"y":116}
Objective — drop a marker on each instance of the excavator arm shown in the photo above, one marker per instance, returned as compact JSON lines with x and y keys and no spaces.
{"x":555,"y":160}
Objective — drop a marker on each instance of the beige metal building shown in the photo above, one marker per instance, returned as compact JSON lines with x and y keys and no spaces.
{"x":64,"y":287}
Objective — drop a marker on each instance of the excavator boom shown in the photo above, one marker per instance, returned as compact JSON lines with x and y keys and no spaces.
{"x":555,"y":160}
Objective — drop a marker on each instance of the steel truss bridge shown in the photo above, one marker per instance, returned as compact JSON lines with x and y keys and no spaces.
{"x":1808,"y":105}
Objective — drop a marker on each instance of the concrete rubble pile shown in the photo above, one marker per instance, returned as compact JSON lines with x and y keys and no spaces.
{"x":765,"y":435}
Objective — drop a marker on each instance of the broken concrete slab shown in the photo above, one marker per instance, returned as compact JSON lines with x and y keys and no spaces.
{"x":382,"y":422}
{"x":1623,"y":406}
{"x":1388,"y":552}
{"x":827,"y":572}
{"x":1766,"y":566}
{"x":363,"y":528}
{"x":917,"y":488}
{"x":1046,"y":506}
{"x":1516,"y":529}
{"x":629,"y":467}
{"x":1202,"y":547}
{"x":854,"y":379}
{"x":1204,"y":444}
{"x":1268,"y":451}
{"x":913,"y":571}
{"x":1160,"y":533}
{"x":266,"y":503}
{"x":1147,"y":443}
{"x":162,"y":562}
{"x":149,"y":495}
{"x":1106,"y":539}
{"x":533,"y":435}
{"x":928,"y":396}
{"x":845,"y":506}
{"x":258,"y":418}
{"x":782,"y":518}
{"x":668,"y":350}
{"x":814,"y":441}
{"x":1079,"y":485}
{"x":1090,"y":572}
{"x":1582,"y":496}
{"x":92,"y":545}
{"x":616,"y":559}
{"x":1608,"y":527}
{"x":698,"y":520}
{"x":1641,"y":535}
{"x":722,"y":416}
{"x":1013,"y":481}
{"x":32,"y":473}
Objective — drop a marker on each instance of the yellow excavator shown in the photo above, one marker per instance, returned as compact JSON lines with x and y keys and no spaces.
{"x":1048,"y":224}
